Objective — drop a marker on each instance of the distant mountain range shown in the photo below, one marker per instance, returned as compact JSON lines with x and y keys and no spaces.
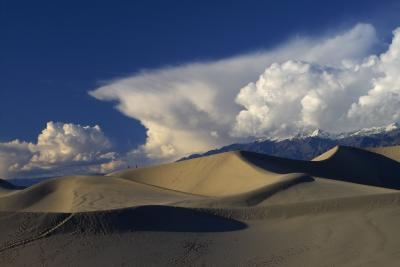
{"x":308,"y":145}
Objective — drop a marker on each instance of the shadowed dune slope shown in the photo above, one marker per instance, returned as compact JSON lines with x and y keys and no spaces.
{"x":340,"y":163}
{"x":360,"y":166}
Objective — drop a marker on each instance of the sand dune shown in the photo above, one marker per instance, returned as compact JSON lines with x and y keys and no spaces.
{"x":246,"y":171}
{"x":230,"y":209}
{"x":87,"y":193}
{"x":217,"y":175}
{"x":392,"y":152}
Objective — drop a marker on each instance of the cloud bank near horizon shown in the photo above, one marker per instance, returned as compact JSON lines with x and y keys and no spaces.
{"x":61,"y":148}
{"x":305,"y":83}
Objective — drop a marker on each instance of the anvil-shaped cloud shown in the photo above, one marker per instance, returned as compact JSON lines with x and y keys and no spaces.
{"x":330,"y":83}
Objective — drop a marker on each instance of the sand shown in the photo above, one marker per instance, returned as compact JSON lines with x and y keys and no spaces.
{"x":230,"y":209}
{"x":392,"y":152}
{"x":217,"y":175}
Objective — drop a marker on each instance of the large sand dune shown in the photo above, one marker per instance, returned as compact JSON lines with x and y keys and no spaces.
{"x":230,"y":209}
{"x":217,"y":175}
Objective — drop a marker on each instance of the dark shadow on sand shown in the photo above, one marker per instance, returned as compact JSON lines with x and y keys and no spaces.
{"x":150,"y":218}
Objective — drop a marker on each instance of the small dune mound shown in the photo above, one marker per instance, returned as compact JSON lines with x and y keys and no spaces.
{"x":87,"y":193}
{"x":217,"y":175}
{"x":50,"y":195}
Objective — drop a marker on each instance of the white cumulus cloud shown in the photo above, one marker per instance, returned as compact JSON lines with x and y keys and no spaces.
{"x":61,"y":148}
{"x":294,"y":95}
{"x":192,"y":107}
{"x":380,"y":104}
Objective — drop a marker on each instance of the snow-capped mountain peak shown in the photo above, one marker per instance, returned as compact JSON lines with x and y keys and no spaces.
{"x":321,"y":133}
{"x":317,"y":132}
{"x":361,"y":132}
{"x":313,"y":132}
{"x":375,"y":130}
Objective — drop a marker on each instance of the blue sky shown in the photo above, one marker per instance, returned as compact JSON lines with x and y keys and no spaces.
{"x":54,"y":52}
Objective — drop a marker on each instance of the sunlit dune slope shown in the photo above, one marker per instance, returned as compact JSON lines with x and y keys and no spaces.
{"x":217,"y":175}
{"x":392,"y":152}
